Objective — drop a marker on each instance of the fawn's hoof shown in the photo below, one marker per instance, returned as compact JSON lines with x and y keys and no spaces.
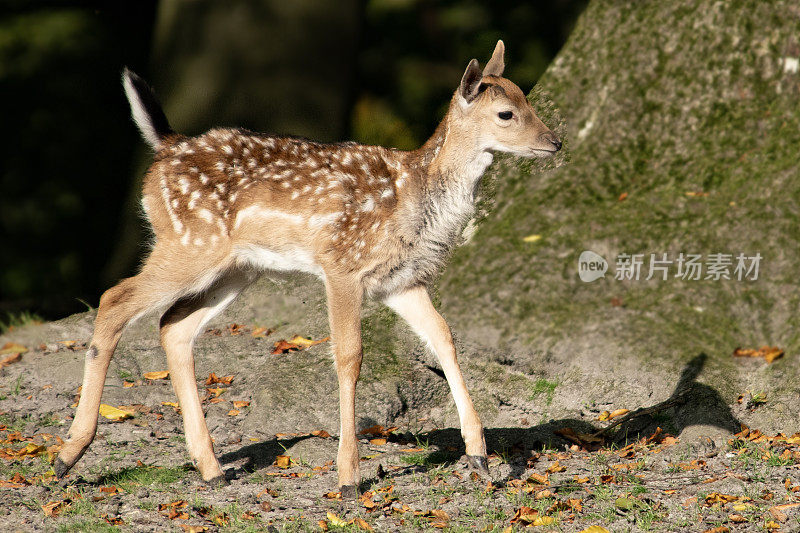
{"x":478,"y":463}
{"x":218,"y":481}
{"x":349,"y":492}
{"x":61,"y":468}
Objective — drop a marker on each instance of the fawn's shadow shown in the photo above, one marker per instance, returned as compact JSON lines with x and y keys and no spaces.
{"x":691,"y":403}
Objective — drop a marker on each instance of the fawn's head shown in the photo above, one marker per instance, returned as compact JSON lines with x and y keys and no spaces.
{"x":497,"y":114}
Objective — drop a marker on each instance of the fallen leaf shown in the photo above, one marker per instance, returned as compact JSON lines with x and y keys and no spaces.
{"x":213,"y":379}
{"x":768,"y":353}
{"x":13,"y":358}
{"x":113,"y":413}
{"x":321,"y":433}
{"x":618,"y":412}
{"x":581,"y":479}
{"x":378,"y":442}
{"x":542,"y":479}
{"x":532,"y":238}
{"x":239,"y":404}
{"x":737,"y":518}
{"x":128,"y":384}
{"x":771,"y":525}
{"x":233,"y":412}
{"x":335,"y":520}
{"x":333,"y":495}
{"x":283,"y":461}
{"x":362,"y":524}
{"x":294,"y":344}
{"x":52,"y":509}
{"x":555,"y":467}
{"x":193,"y":529}
{"x":160,"y":374}
{"x":595,"y":529}
{"x":113,"y":520}
{"x":260,"y":332}
{"x":525,"y":514}
{"x":622,"y":197}
{"x":12,"y":348}
{"x":438,"y":514}
{"x":221,"y":519}
{"x":603,"y":416}
{"x":720,"y":529}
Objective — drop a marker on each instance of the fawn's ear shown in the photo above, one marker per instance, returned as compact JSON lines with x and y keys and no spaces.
{"x":496,"y":64}
{"x":471,"y":82}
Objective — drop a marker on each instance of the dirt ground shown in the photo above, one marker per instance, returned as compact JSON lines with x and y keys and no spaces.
{"x":137,"y":476}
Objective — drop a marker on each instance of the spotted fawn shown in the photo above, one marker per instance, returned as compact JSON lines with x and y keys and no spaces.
{"x":230,"y":204}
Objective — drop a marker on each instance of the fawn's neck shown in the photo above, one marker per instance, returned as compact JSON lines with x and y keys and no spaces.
{"x":453,"y":155}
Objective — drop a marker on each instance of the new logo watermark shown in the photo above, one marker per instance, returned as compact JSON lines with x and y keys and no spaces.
{"x":591,"y":266}
{"x":686,"y":266}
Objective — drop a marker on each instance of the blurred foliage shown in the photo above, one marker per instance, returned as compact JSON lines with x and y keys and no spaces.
{"x":414,"y":53}
{"x":67,"y":148}
{"x":379,"y":71}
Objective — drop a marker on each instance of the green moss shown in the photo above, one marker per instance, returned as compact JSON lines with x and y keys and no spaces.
{"x":543,"y":387}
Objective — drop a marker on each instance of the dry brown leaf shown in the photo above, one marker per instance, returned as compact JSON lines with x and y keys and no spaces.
{"x":160,"y":374}
{"x":260,"y":332}
{"x":11,"y":359}
{"x":321,"y":433}
{"x":362,"y":524}
{"x":53,"y":509}
{"x":378,"y":442}
{"x":555,"y":467}
{"x":768,"y":353}
{"x":539,"y":478}
{"x":720,"y":529}
{"x":214,"y":379}
{"x":12,"y":348}
{"x":283,"y":461}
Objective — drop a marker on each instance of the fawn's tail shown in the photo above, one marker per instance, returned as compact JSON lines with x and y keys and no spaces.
{"x":146,"y":110}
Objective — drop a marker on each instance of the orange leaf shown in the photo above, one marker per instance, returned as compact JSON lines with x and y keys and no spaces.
{"x":556,"y":467}
{"x":378,"y":442}
{"x":13,"y":358}
{"x":233,"y":412}
{"x":12,"y":348}
{"x":362,"y":524}
{"x":160,"y":374}
{"x":283,"y":461}
{"x":260,"y":332}
{"x":321,"y":433}
{"x":213,"y":379}
{"x":239,"y":404}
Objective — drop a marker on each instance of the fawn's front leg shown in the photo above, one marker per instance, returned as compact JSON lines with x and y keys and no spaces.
{"x":344,"y":313}
{"x":416,"y":308}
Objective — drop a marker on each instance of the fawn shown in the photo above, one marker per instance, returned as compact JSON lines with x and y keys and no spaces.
{"x":230,"y":204}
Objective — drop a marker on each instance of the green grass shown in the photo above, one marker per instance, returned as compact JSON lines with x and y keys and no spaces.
{"x":543,"y":387}
{"x":19,"y":320}
{"x":157,"y":478}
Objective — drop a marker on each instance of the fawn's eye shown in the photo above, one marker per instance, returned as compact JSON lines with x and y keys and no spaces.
{"x":505,"y":115}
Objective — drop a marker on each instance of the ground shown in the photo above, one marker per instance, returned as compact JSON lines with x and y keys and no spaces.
{"x":137,"y":474}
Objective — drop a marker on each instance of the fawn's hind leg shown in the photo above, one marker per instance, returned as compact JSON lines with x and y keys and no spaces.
{"x":179,"y":327}
{"x":161,"y":282}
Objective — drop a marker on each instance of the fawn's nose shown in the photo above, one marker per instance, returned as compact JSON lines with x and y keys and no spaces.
{"x":550,"y":137}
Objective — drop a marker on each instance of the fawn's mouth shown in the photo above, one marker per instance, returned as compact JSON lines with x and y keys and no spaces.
{"x":538,"y":152}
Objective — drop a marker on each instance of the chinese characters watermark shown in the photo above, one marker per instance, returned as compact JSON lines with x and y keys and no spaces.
{"x":662,"y":266}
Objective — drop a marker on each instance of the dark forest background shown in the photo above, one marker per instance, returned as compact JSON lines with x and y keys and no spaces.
{"x":376,"y":71}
